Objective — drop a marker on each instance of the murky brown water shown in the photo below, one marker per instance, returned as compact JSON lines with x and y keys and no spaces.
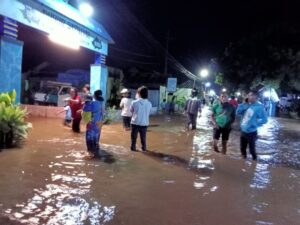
{"x":181,"y":181}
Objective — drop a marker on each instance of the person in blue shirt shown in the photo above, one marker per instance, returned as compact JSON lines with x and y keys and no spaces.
{"x":253,"y":116}
{"x":93,"y":127}
{"x":140,"y":110}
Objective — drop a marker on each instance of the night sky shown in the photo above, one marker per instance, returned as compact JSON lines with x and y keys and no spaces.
{"x":199,"y":31}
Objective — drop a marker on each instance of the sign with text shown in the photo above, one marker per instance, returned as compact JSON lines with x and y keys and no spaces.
{"x":57,"y":18}
{"x":172,"y":85}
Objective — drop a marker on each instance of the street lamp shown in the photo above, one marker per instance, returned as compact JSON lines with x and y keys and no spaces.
{"x":207,"y":84}
{"x":238,"y":93}
{"x":204,"y":73}
{"x":212,"y":93}
{"x":224,"y":89}
{"x":86,"y":9}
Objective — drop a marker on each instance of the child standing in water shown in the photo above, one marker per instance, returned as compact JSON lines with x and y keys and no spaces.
{"x":68,"y":115}
{"x":93,"y":127}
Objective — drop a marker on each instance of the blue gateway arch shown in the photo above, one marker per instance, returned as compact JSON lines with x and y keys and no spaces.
{"x":57,"y":19}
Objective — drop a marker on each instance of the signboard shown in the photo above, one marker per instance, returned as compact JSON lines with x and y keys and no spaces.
{"x":172,"y":85}
{"x":55,"y":17}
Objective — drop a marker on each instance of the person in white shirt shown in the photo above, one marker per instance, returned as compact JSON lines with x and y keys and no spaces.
{"x":125,"y":106}
{"x":140,"y":109}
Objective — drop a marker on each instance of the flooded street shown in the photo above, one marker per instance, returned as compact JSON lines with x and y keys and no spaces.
{"x":180,"y":181}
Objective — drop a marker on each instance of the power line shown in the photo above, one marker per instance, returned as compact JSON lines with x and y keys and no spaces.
{"x":131,"y":53}
{"x":131,"y":18}
{"x":133,"y":61}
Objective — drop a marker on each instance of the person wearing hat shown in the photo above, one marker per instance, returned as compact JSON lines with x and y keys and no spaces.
{"x":125,"y":106}
{"x":191,"y":109}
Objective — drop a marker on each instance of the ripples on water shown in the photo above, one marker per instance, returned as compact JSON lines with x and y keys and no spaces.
{"x":63,"y":200}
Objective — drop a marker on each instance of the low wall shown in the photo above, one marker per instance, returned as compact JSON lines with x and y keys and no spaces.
{"x":53,"y":112}
{"x":44,"y":111}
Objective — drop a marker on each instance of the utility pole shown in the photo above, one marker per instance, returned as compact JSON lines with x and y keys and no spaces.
{"x":167,"y":53}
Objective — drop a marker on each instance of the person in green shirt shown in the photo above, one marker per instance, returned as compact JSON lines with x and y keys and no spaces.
{"x":223,"y":115}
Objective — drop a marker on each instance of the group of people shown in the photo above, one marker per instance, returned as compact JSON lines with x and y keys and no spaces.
{"x":135,"y":114}
{"x":91,"y":109}
{"x":253,"y":115}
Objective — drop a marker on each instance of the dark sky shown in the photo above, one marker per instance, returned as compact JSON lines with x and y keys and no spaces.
{"x":199,"y":30}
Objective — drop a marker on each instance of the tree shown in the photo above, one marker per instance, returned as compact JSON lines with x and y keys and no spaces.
{"x":270,"y":58}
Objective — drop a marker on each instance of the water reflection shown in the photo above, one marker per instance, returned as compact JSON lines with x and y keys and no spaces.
{"x":63,"y":200}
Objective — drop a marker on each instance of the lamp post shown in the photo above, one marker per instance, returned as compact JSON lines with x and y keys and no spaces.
{"x":204,"y":73}
{"x":207,"y":85}
{"x":86,"y":9}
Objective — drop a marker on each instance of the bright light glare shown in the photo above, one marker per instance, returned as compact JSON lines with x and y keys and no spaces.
{"x":207,"y":84}
{"x":204,"y":73}
{"x":238,"y":93}
{"x":224,"y":89}
{"x":267,"y":94}
{"x":212,"y":93}
{"x":65,"y":40}
{"x":86,"y":9}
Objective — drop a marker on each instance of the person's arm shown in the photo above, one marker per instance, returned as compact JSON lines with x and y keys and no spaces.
{"x":75,"y":101}
{"x":242,"y":108}
{"x":122,"y":103}
{"x":262,"y":117}
{"x":186,"y":105}
{"x":132,"y":107}
{"x":61,"y":111}
{"x":213,"y":117}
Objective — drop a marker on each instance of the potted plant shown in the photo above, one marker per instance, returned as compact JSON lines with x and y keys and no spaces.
{"x":13,"y":127}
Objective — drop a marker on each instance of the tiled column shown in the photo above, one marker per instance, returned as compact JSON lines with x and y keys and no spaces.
{"x":11,"y":51}
{"x":99,"y":75}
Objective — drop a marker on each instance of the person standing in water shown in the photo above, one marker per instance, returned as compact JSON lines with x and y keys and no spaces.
{"x":223,"y":115}
{"x":233,"y":101}
{"x":93,"y":127}
{"x":253,"y":116}
{"x":125,"y":106}
{"x":76,"y":106}
{"x":140,"y":109}
{"x":192,"y":108}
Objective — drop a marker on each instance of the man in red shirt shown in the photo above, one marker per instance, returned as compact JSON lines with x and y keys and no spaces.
{"x":76,"y":106}
{"x":233,"y":101}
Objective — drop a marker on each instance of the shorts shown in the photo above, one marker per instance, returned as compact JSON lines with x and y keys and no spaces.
{"x":222,"y":131}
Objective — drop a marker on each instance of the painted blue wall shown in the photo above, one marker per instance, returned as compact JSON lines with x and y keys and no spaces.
{"x":11,"y":65}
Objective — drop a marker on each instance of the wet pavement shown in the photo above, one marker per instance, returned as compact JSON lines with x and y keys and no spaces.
{"x":179,"y":181}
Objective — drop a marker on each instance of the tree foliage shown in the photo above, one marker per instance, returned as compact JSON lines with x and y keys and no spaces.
{"x":270,"y":58}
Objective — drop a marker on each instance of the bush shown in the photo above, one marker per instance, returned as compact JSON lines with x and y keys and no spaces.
{"x":13,"y":128}
{"x":111,"y":115}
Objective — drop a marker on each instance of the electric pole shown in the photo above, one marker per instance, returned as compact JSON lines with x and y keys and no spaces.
{"x":167,"y":53}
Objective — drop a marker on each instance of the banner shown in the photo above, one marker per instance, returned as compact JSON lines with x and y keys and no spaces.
{"x":172,"y":85}
{"x":57,"y":18}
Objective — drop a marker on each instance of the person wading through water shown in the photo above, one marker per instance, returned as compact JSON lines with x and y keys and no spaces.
{"x":140,"y":109}
{"x":223,"y":115}
{"x":253,"y":116}
{"x":192,"y":108}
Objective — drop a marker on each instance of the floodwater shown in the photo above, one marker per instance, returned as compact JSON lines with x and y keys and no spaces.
{"x":180,"y":181}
